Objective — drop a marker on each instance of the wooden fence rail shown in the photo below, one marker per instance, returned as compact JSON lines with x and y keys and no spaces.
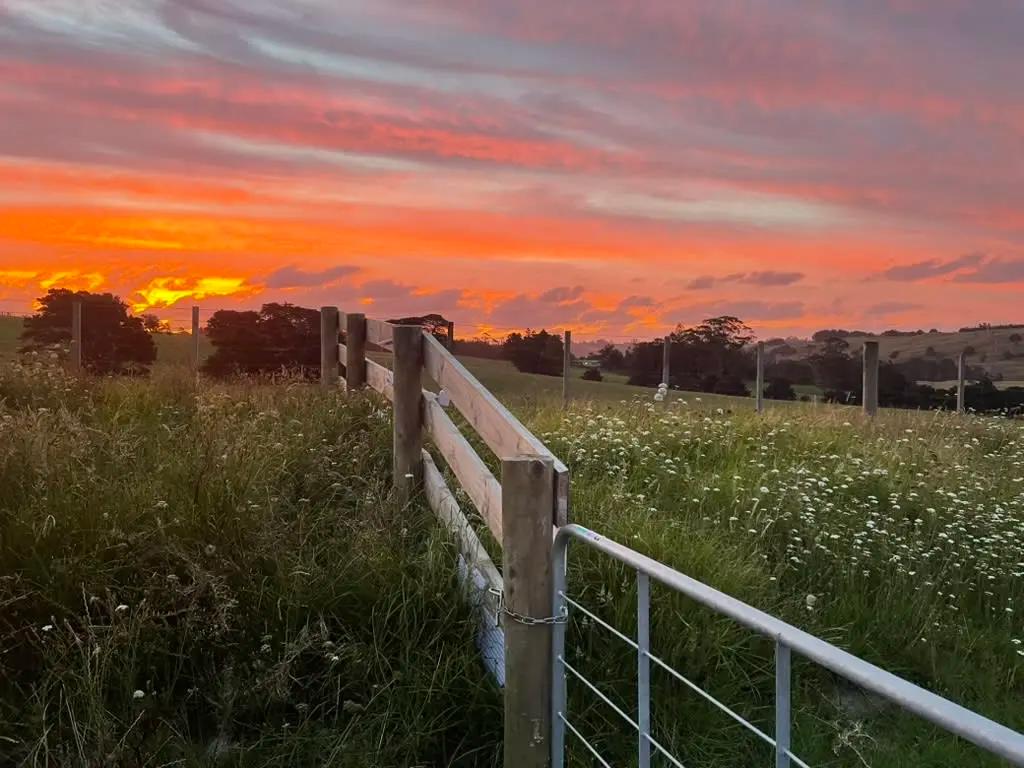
{"x":534,"y":487}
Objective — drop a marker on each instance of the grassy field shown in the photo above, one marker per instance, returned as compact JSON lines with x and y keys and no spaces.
{"x":219,"y":572}
{"x":219,"y":577}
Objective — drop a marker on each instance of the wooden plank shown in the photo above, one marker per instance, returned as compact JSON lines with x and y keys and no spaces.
{"x":666,"y":360}
{"x":195,"y":338}
{"x":76,"y":335}
{"x":380,"y":334}
{"x":759,"y":379}
{"x":329,"y":346}
{"x":961,"y":383}
{"x":447,"y":509}
{"x":473,"y":475}
{"x":380,"y":379}
{"x":527,"y":491}
{"x":408,"y":412}
{"x":870,"y":395}
{"x":481,"y":580}
{"x":503,"y":432}
{"x":355,"y":352}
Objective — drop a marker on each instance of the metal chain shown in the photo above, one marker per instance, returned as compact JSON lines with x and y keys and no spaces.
{"x":529,"y":621}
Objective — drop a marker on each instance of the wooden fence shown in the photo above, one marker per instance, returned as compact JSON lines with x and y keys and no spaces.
{"x":522,"y":511}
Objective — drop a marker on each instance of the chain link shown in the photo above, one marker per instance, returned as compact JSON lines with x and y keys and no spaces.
{"x":529,"y":621}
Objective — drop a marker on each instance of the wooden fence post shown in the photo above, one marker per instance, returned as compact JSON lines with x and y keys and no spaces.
{"x":759,"y":379}
{"x":76,"y":335}
{"x":666,"y":359}
{"x":566,"y":365}
{"x":961,"y":383}
{"x":328,"y":346}
{"x":408,"y":410}
{"x":195,"y":338}
{"x":355,"y":350}
{"x":451,"y":336}
{"x":870,"y":395}
{"x":527,"y":489}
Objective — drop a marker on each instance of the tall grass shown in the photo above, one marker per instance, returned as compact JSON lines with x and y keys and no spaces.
{"x":901,"y":540}
{"x":219,"y":575}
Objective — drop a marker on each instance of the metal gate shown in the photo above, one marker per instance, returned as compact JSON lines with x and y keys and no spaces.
{"x":955,"y":719}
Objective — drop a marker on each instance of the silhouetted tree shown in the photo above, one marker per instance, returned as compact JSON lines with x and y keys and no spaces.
{"x":278,"y":337}
{"x":834,"y":370}
{"x":154,"y":324}
{"x":436,"y":325}
{"x":535,"y":352}
{"x":483,"y":346}
{"x":710,"y":357}
{"x":780,"y":389}
{"x":113,"y":340}
{"x":610,"y":357}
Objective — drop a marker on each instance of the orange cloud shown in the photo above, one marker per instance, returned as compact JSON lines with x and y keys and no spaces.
{"x":166,"y":291}
{"x":73,"y":280}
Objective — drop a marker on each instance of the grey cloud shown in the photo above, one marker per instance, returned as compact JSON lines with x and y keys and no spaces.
{"x":561,"y":294}
{"x":293,"y":277}
{"x":765,"y":279}
{"x":994,"y":271}
{"x":924,"y":270}
{"x":892,"y":307}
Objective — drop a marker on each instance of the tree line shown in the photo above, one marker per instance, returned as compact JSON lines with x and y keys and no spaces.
{"x":714,"y":356}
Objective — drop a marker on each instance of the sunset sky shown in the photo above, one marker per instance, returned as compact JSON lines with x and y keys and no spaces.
{"x":609,"y":167}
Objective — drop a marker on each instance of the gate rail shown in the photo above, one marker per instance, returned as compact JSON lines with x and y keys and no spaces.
{"x":985,"y":733}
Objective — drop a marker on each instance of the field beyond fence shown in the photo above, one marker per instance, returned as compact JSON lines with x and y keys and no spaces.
{"x":196,"y":571}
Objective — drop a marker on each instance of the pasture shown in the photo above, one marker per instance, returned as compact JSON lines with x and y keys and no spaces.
{"x":218,"y":572}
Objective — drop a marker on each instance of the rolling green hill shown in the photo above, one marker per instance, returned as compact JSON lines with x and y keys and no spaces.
{"x":993,"y":349}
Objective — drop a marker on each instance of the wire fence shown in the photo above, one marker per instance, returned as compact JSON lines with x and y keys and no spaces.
{"x":987,"y":734}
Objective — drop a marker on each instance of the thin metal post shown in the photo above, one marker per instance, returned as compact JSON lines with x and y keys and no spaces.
{"x":643,"y":668}
{"x":759,"y":379}
{"x":195,"y":338}
{"x":666,"y":359}
{"x":451,"y":336}
{"x":566,"y":365}
{"x":961,"y":382}
{"x":558,"y":688}
{"x":782,"y":703}
{"x":76,"y":334}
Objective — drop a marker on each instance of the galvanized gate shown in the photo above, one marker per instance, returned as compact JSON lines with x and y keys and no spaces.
{"x":955,"y":719}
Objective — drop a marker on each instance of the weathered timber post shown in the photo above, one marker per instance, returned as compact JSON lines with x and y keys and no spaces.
{"x":870,"y":395}
{"x":961,"y":383}
{"x":76,"y":335}
{"x":566,"y":366}
{"x":451,"y":336}
{"x":355,"y":350}
{"x":195,"y":338}
{"x":328,"y":346}
{"x":759,"y":379}
{"x":408,"y":411}
{"x":666,"y":359}
{"x":527,"y":497}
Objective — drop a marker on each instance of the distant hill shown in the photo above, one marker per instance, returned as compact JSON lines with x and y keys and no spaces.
{"x":993,"y":348}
